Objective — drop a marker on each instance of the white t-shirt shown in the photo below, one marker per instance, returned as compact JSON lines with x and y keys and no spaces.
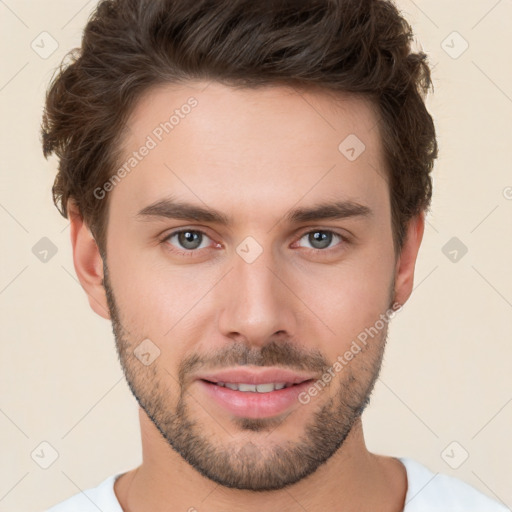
{"x":426,"y":492}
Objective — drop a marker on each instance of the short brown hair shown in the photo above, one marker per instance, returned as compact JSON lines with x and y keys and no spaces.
{"x":355,"y":46}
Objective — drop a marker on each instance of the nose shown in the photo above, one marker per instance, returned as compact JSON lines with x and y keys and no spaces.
{"x":257,"y":301}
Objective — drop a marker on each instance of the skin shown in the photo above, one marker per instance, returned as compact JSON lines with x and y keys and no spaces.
{"x":252,"y":154}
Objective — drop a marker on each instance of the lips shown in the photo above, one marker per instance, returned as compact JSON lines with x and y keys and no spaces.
{"x":254,"y":393}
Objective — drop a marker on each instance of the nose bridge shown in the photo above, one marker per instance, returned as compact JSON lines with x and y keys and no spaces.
{"x":255,"y":302}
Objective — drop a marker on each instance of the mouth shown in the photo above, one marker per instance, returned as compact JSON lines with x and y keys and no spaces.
{"x":249,"y":400}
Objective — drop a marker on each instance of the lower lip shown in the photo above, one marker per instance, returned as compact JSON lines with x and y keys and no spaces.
{"x":249,"y":404}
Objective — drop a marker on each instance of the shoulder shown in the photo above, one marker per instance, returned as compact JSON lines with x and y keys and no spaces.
{"x":101,"y":497}
{"x":428,"y":491}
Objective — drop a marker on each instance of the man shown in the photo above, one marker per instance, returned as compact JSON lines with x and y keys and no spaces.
{"x":246,"y":184}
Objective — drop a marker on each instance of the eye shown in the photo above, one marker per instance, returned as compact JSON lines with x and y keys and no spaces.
{"x":321,"y":239}
{"x":187,"y":240}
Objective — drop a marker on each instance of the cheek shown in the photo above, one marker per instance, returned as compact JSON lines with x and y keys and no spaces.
{"x":347,"y":300}
{"x":169,"y":305}
{"x":147,"y":301}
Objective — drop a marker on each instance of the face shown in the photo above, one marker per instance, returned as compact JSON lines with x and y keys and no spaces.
{"x":289,"y":262}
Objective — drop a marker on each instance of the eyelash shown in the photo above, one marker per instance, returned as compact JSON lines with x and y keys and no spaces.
{"x":193,"y":252}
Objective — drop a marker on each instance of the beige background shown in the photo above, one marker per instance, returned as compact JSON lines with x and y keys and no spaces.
{"x":447,"y":372}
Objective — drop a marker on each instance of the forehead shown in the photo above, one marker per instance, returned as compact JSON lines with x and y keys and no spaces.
{"x":225,"y":110}
{"x":260,"y":147}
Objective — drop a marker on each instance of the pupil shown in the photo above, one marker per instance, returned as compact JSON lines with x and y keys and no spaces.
{"x":321,"y":237}
{"x":189,"y":239}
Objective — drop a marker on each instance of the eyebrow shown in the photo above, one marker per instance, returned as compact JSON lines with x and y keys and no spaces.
{"x":169,"y":208}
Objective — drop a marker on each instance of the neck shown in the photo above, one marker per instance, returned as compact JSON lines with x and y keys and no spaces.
{"x":353,"y":479}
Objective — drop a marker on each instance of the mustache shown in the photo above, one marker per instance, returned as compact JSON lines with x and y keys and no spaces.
{"x":276,"y":353}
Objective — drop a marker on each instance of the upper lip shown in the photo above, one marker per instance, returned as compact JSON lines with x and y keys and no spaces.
{"x":256,"y":376}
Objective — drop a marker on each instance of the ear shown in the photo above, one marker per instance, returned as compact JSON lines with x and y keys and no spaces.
{"x":87,"y":261}
{"x":404,"y":270}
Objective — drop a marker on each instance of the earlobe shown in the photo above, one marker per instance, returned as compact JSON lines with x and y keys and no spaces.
{"x":87,"y":261}
{"x":404,"y":271}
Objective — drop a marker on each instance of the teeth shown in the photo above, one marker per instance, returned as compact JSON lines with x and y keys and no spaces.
{"x":265,"y":388}
{"x":255,"y":388}
{"x":246,"y":387}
